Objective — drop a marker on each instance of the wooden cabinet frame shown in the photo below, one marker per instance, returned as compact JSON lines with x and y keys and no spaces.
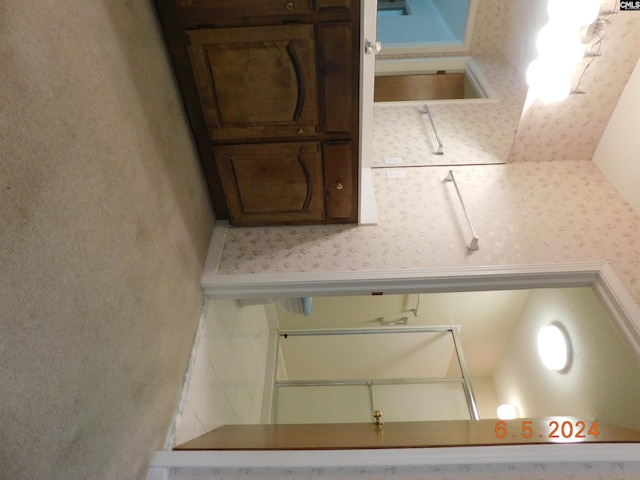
{"x":308,"y":59}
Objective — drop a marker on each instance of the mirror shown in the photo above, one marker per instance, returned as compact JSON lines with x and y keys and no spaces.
{"x":433,"y":50}
{"x":498,"y":335}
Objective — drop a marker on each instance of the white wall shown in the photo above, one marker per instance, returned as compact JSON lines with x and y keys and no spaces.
{"x":603,"y":381}
{"x":486,"y":396}
{"x":617,"y":153}
{"x":485,"y":318}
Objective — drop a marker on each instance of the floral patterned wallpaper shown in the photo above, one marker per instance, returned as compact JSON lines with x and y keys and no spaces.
{"x":491,"y":26}
{"x":524,"y":213}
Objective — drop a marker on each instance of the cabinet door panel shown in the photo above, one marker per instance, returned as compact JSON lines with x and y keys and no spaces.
{"x":256,"y":82}
{"x":336,"y":73}
{"x":340,"y":181}
{"x":272,"y":183}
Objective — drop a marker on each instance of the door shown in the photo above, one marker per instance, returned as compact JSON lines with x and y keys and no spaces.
{"x":355,"y":403}
{"x":256,"y":82}
{"x":344,"y":375}
{"x":273,"y":182}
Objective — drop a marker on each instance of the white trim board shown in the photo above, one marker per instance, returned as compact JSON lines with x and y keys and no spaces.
{"x":363,"y":282}
{"x":216,"y":246}
{"x":549,"y":454}
{"x":598,"y":275}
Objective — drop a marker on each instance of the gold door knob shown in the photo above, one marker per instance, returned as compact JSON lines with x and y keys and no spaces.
{"x":377,"y":415}
{"x":289,"y":6}
{"x":339,"y":186}
{"x":300,"y":131}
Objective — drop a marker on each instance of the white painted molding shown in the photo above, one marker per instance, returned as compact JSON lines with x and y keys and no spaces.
{"x":268,"y":394}
{"x":361,"y":282}
{"x":620,"y":305}
{"x":549,"y":454}
{"x":216,"y":246}
{"x":368,"y":213}
{"x":272,"y":316}
{"x":599,"y":275}
{"x":158,"y":473}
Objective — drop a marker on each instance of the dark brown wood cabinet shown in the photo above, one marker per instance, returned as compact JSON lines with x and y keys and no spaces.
{"x":271,"y":89}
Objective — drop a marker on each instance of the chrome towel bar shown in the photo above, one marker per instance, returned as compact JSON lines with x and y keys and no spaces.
{"x":440,"y":150}
{"x":473,"y":244}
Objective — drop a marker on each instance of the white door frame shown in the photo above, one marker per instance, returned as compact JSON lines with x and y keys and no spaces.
{"x":599,"y":275}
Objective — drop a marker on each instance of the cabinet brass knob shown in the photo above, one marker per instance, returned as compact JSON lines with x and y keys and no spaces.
{"x":289,"y":6}
{"x":339,"y":186}
{"x":300,"y":131}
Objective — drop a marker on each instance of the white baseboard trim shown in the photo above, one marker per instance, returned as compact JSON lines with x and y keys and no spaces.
{"x":547,"y":454}
{"x":216,"y":246}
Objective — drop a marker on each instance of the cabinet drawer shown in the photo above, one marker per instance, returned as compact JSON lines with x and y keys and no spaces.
{"x":341,"y":187}
{"x":243,"y":8}
{"x":272,"y":183}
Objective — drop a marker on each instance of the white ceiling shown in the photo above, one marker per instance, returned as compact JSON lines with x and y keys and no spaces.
{"x":485,"y":320}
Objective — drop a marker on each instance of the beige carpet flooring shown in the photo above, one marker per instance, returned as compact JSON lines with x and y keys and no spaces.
{"x":104,"y":226}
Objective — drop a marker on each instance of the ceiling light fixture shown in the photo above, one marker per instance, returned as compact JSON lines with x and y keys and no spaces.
{"x":574,"y":33}
{"x":553,"y":347}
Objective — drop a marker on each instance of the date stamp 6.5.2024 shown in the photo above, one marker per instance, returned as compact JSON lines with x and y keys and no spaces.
{"x":557,"y":430}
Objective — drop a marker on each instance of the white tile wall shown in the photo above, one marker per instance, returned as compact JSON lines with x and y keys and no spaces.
{"x":226,"y":380}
